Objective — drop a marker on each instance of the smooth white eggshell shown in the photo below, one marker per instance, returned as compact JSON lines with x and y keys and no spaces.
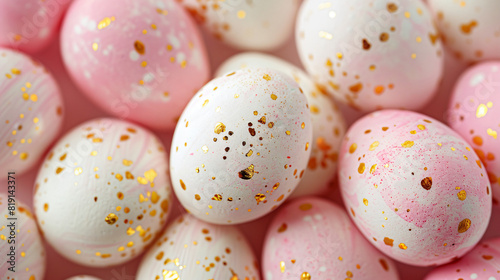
{"x":241,"y":146}
{"x":313,"y":237}
{"x":103,"y":192}
{"x":327,"y":120}
{"x":193,"y":249}
{"x":371,"y":55}
{"x":414,"y":187}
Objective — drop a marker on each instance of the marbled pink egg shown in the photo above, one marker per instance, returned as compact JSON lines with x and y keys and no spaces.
{"x":327,"y":120}
{"x":371,"y":54}
{"x":30,"y":26}
{"x":480,"y":263}
{"x":83,"y":277}
{"x":241,"y":146}
{"x":243,"y":24}
{"x":414,"y":187}
{"x":311,"y":238}
{"x":193,"y":249}
{"x":138,"y":60}
{"x":103,"y":192}
{"x":475,"y":114}
{"x":31,"y":111}
{"x":29,"y":261}
{"x":470,"y":28}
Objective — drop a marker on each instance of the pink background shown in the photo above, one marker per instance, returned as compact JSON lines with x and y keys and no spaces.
{"x":79,"y":109}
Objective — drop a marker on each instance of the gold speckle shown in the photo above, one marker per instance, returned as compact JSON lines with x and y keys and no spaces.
{"x":426,"y":183}
{"x":119,"y":177}
{"x":204,"y":149}
{"x":23,"y":156}
{"x":183,"y":186}
{"x":388,"y":241}
{"x":111,"y":218}
{"x":78,"y":171}
{"x":305,"y":276}
{"x":282,"y":266}
{"x":402,"y":246}
{"x":305,"y":206}
{"x":413,"y":55}
{"x":467,"y":28}
{"x":384,"y":37}
{"x":325,"y":35}
{"x":197,"y":197}
{"x":219,"y":127}
{"x":373,"y":168}
{"x":127,"y":162}
{"x":34,"y":97}
{"x":361,"y":168}
{"x":353,"y":148}
{"x":282,"y":228}
{"x":365,"y":201}
{"x":260,"y":197}
{"x":249,"y":153}
{"x":492,"y":133}
{"x":247,"y":173}
{"x":407,"y":144}
{"x":139,"y":47}
{"x":366,"y":44}
{"x":407,"y":14}
{"x":241,"y":14}
{"x":391,"y":7}
{"x":95,"y":46}
{"x":462,"y":195}
{"x":267,"y":78}
{"x":307,"y":146}
{"x":104,"y":23}
{"x":481,"y":111}
{"x":124,"y":137}
{"x":464,"y":225}
{"x":421,"y":127}
{"x":373,"y":146}
{"x":273,"y":96}
{"x":287,"y":132}
{"x":59,"y":170}
{"x":46,"y":207}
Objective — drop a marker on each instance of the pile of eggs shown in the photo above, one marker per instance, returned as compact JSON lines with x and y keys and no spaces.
{"x":191,"y":151}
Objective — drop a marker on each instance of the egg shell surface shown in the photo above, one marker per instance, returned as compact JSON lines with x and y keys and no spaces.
{"x":83,"y":277}
{"x":371,"y":54}
{"x":414,"y":187}
{"x":241,"y":146}
{"x":103,"y":192}
{"x":31,"y":111}
{"x":311,"y":237}
{"x":193,"y":249}
{"x":137,"y":60}
{"x":30,"y":258}
{"x":247,"y":25}
{"x":471,"y":29}
{"x":327,"y":120}
{"x":475,"y":114}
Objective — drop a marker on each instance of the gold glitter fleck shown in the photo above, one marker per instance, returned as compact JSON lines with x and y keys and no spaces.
{"x":388,"y":241}
{"x":219,"y":127}
{"x":204,"y":149}
{"x":305,"y":276}
{"x":139,"y":47}
{"x":247,"y":173}
{"x":266,"y":77}
{"x":325,"y":35}
{"x":111,"y":219}
{"x":78,"y":171}
{"x":403,"y":246}
{"x":183,"y":186}
{"x":241,"y":14}
{"x":373,"y":146}
{"x":95,"y":46}
{"x":373,"y":168}
{"x":305,"y":206}
{"x":353,"y":148}
{"x":462,"y":195}
{"x":464,"y":225}
{"x":365,"y":201}
{"x":273,"y":96}
{"x":407,"y":144}
{"x":361,"y":168}
{"x":426,"y":183}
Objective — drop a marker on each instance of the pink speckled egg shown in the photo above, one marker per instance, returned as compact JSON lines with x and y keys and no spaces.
{"x":471,"y":29}
{"x":103,"y":192}
{"x":193,"y":249}
{"x":30,"y":26}
{"x":414,"y":187}
{"x":19,"y":237}
{"x":311,"y":238}
{"x":241,"y":146}
{"x":138,"y":60}
{"x":371,"y":54}
{"x":475,"y":114}
{"x":246,"y":24}
{"x":480,"y":263}
{"x":83,"y":277}
{"x":31,"y":111}
{"x":327,"y":120}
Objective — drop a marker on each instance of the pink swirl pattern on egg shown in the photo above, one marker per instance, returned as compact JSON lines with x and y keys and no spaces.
{"x":30,"y":256}
{"x":138,"y":60}
{"x":475,"y":114}
{"x":414,"y":187}
{"x":31,"y":111}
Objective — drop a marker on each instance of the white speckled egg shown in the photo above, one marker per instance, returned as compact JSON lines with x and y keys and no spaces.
{"x":138,"y":60}
{"x":246,"y":24}
{"x":471,"y":29}
{"x":327,"y":120}
{"x":103,"y":192}
{"x":414,"y":187}
{"x":193,"y":249}
{"x":29,"y":261}
{"x":474,"y":112}
{"x":371,"y":54}
{"x":31,"y":111}
{"x":311,"y":238}
{"x":83,"y":277}
{"x":480,"y":263}
{"x":241,"y":146}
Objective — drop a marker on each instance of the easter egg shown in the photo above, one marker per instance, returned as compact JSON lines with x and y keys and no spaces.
{"x":248,"y":25}
{"x":414,"y":187}
{"x":475,"y":114}
{"x":480,"y":263}
{"x":137,"y":60}
{"x":311,"y":238}
{"x":31,"y":111}
{"x":83,"y":277}
{"x":327,"y":120}
{"x":371,"y":55}
{"x":103,"y":192}
{"x":21,"y":247}
{"x":30,"y":26}
{"x":193,"y":249}
{"x":241,"y":146}
{"x":470,"y":29}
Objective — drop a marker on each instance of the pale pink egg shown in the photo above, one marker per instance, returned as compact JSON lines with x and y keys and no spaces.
{"x":103,"y":192}
{"x":414,"y":187}
{"x":21,"y":246}
{"x":138,"y":60}
{"x":193,"y":249}
{"x":327,"y":120}
{"x":31,"y":111}
{"x":311,"y":238}
{"x":241,"y":146}
{"x":474,"y":112}
{"x":470,"y":28}
{"x":371,"y":54}
{"x":480,"y":263}
{"x":30,"y":26}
